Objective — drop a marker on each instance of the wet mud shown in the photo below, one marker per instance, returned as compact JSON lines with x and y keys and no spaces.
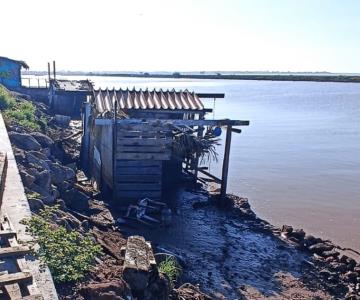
{"x":233,"y":257}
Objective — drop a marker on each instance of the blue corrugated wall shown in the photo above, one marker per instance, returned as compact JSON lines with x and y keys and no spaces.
{"x":10,"y":73}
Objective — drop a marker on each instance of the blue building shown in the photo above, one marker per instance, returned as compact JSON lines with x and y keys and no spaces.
{"x":10,"y":72}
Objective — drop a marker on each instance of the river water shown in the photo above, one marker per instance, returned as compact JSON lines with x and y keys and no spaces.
{"x":299,"y":160}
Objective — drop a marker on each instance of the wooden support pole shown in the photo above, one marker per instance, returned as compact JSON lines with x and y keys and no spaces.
{"x":49,"y":72}
{"x":225,"y":167}
{"x":54,"y":69}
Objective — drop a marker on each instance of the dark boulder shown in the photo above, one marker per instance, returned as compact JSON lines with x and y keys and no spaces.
{"x":35,"y":204}
{"x":24,"y":141}
{"x":27,"y":179}
{"x":43,"y":139}
{"x":60,"y":173}
{"x":319,"y":248}
{"x":298,"y":234}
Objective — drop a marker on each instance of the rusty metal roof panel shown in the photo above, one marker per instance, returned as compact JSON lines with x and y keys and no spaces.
{"x":145,"y":100}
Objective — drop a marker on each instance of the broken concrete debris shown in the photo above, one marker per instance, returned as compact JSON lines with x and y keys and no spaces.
{"x":139,"y":263}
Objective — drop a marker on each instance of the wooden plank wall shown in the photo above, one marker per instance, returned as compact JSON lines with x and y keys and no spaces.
{"x":140,"y":151}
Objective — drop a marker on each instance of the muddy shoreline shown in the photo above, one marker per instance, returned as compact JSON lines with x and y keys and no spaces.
{"x":223,"y":246}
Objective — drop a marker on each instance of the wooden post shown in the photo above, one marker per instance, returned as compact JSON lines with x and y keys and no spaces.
{"x":225,"y":168}
{"x":49,"y":72}
{"x":114,"y":143}
{"x":54,"y":69}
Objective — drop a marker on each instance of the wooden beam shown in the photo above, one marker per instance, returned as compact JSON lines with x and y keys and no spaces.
{"x":144,"y":156}
{"x":14,"y":251}
{"x":236,"y":130}
{"x":15,"y":278}
{"x":217,"y":180}
{"x":6,"y":234}
{"x":211,"y":95}
{"x":33,"y":297}
{"x":225,"y":168}
{"x":176,"y":122}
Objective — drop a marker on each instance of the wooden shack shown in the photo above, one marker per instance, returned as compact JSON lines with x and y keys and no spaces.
{"x":66,"y":97}
{"x":128,"y":140}
{"x":10,"y":72}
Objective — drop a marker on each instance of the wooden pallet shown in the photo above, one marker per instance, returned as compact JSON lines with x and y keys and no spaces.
{"x":16,"y":281}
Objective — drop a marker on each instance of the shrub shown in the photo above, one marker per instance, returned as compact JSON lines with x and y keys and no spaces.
{"x":68,"y":255}
{"x":23,"y":114}
{"x":6,"y":100}
{"x":171,"y":268}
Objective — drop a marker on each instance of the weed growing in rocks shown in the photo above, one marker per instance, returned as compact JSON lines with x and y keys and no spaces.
{"x":171,"y":268}
{"x":69,"y":255}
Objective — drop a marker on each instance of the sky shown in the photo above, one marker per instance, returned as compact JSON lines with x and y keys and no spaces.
{"x":183,"y":35}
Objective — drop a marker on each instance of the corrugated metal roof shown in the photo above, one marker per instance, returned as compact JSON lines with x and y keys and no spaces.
{"x":71,"y":85}
{"x":144,"y":99}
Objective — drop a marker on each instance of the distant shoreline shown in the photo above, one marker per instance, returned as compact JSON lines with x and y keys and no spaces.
{"x":176,"y":75}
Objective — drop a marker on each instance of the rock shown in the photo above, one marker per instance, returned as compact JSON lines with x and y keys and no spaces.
{"x":35,"y":204}
{"x":351,"y":276}
{"x":47,"y":196}
{"x":64,"y":186}
{"x":60,"y":173}
{"x":299,"y":234}
{"x":85,"y":225}
{"x":46,"y":152}
{"x":44,"y":180}
{"x":27,"y":179}
{"x":139,"y":263}
{"x":190,"y":292}
{"x":111,"y":241}
{"x":24,"y":141}
{"x":309,"y":240}
{"x":350,"y":262}
{"x":39,"y":163}
{"x":338,"y":267}
{"x":330,"y":253}
{"x":319,"y":248}
{"x":158,"y":289}
{"x":43,"y":139}
{"x":72,"y":166}
{"x":62,"y":120}
{"x":39,"y":154}
{"x":115,"y":289}
{"x":33,"y":172}
{"x":76,"y":200}
{"x":287,"y":229}
{"x":62,"y":204}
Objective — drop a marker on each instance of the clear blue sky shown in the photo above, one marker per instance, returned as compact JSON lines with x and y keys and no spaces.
{"x":244,"y":35}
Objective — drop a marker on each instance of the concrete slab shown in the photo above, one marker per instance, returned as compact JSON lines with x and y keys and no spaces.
{"x":16,"y":206}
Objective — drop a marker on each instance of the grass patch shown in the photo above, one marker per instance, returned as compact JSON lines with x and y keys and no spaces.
{"x":21,"y":112}
{"x":24,"y":114}
{"x":171,"y":268}
{"x":6,"y":100}
{"x":68,"y":255}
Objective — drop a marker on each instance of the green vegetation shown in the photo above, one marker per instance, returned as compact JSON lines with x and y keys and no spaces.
{"x":171,"y":268}
{"x":6,"y":100}
{"x":68,"y":255}
{"x":21,"y":112}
